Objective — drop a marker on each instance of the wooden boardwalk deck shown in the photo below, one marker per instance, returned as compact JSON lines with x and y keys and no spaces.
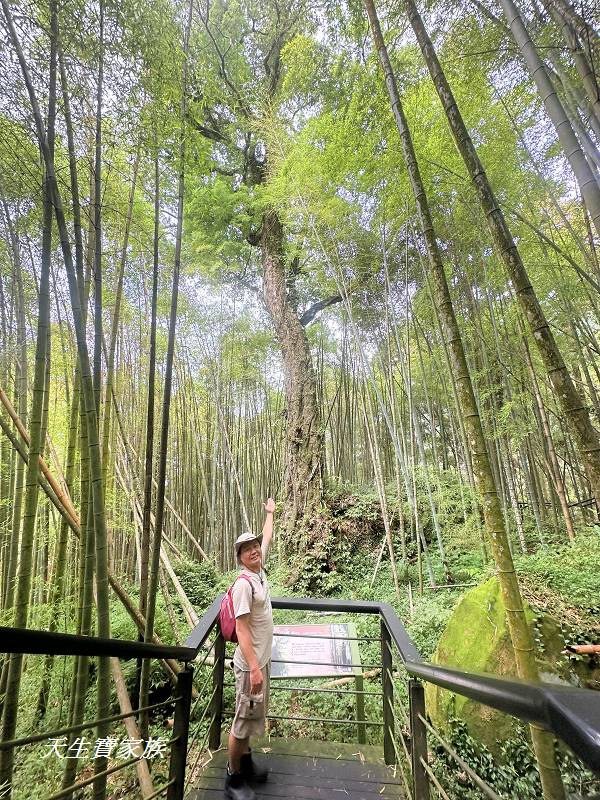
{"x":305,"y":770}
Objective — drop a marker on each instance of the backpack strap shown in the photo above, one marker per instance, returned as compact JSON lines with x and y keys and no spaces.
{"x":247,"y":578}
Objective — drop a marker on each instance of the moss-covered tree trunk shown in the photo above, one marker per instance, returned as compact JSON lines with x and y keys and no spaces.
{"x":303,"y":471}
{"x":520,"y":632}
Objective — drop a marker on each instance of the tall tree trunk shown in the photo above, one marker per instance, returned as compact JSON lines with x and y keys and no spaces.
{"x":11,"y":704}
{"x":21,"y":382}
{"x":102,"y":591}
{"x":60,"y":553}
{"x":304,"y":440}
{"x":116,"y":318}
{"x":559,"y":485}
{"x":582,"y":65}
{"x":166,"y":407}
{"x":588,"y":184}
{"x":149,"y":452}
{"x":520,"y":632}
{"x":588,"y":34}
{"x":74,"y":180}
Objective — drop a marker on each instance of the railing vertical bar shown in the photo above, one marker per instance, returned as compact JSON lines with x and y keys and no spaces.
{"x":217,"y":701}
{"x":198,"y":724}
{"x":181,"y":727}
{"x":389,"y":754}
{"x":418,"y":732}
{"x":202,"y":689}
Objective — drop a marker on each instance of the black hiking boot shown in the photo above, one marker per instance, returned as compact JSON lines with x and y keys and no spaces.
{"x":236,"y":787}
{"x":252,"y":772}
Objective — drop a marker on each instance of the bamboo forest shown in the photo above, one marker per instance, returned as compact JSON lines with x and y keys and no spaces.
{"x":344,"y":254}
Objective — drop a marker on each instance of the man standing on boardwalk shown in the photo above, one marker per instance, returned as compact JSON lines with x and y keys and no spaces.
{"x":252,"y":658}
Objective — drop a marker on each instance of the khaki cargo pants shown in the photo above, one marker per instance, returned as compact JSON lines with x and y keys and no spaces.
{"x":250,"y":710}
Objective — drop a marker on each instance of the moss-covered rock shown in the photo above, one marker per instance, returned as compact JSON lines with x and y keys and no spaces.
{"x":476,"y":639}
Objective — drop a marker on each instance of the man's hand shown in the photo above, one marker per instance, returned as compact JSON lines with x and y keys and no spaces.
{"x":270,"y":506}
{"x":256,"y":680}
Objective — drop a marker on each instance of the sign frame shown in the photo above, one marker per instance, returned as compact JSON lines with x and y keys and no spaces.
{"x":355,"y":671}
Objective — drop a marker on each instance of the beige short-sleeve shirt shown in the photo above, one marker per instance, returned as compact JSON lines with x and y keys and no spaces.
{"x":254,"y":600}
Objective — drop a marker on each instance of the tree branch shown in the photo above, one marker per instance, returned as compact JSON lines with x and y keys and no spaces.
{"x":243,"y":107}
{"x":313,"y":310}
{"x":213,"y":134}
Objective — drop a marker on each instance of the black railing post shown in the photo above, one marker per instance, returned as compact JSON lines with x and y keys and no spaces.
{"x":418,"y":735}
{"x":389,"y":753}
{"x":181,"y":728}
{"x":214,"y":738}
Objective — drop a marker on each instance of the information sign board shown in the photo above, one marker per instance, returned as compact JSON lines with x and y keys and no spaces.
{"x":304,"y":654}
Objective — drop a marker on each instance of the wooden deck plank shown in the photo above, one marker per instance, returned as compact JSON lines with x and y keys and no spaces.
{"x":275,"y":789}
{"x":350,"y":775}
{"x":287,"y":772}
{"x":292,"y":764}
{"x":297,"y":765}
{"x":320,"y":749}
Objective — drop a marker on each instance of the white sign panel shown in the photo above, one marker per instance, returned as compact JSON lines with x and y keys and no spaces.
{"x":303,"y":654}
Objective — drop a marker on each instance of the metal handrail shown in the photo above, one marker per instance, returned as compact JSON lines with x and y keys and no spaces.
{"x":287,"y":635}
{"x":571,"y":713}
{"x":319,"y":690}
{"x":348,"y":665}
{"x":34,"y":642}
{"x":37,"y":642}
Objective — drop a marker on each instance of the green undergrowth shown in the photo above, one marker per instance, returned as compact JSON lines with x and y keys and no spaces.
{"x":200,"y":581}
{"x":513,"y":775}
{"x":565,"y":582}
{"x":563,"y":579}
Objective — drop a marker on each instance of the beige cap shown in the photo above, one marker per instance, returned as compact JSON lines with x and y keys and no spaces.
{"x":243,"y":538}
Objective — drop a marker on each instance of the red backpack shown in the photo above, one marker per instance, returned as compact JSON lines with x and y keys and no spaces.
{"x":227,"y":612}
